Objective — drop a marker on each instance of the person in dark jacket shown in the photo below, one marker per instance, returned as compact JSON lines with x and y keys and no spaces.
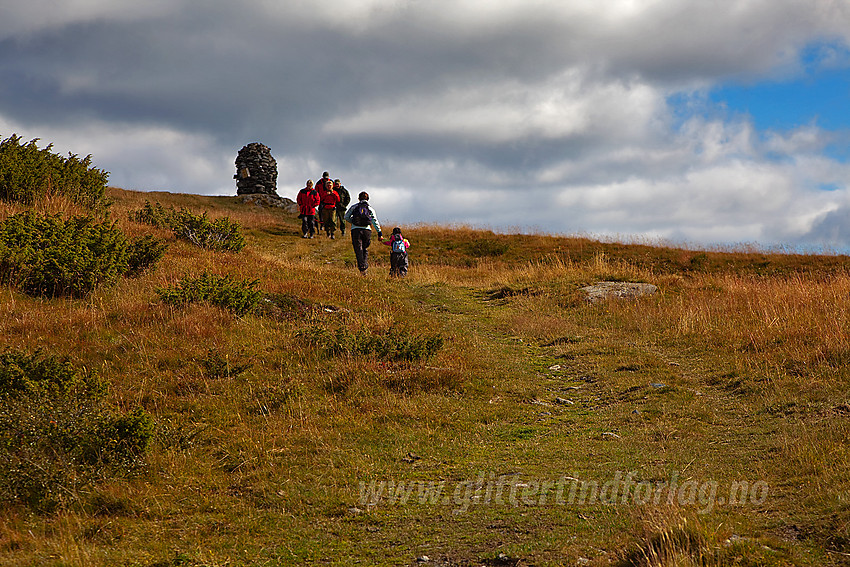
{"x":344,"y":201}
{"x":362,"y":218}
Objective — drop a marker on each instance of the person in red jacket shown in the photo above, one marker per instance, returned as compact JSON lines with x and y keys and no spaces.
{"x":323,"y":185}
{"x":327,"y":211}
{"x":308,"y":200}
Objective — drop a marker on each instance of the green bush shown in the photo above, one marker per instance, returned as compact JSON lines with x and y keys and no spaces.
{"x":238,"y":296}
{"x":45,"y":255}
{"x":57,"y":435}
{"x":154,"y":215}
{"x":41,"y":376}
{"x":29,"y":174}
{"x":217,"y":365}
{"x":394,"y":345}
{"x":118,"y":437}
{"x":220,"y":234}
{"x":145,"y":252}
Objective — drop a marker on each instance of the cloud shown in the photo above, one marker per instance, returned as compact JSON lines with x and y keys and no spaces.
{"x":532,"y":114}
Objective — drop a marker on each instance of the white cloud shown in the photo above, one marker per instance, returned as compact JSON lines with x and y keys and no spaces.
{"x":147,"y":158}
{"x":503,"y":112}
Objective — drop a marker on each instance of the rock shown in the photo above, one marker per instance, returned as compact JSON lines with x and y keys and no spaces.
{"x":270,"y":201}
{"x":256,"y":170}
{"x":601,"y":291}
{"x":564,"y":401}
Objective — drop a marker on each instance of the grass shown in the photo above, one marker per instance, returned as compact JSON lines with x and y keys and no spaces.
{"x":501,"y":408}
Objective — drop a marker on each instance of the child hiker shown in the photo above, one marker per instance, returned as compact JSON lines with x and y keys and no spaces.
{"x":398,"y":253}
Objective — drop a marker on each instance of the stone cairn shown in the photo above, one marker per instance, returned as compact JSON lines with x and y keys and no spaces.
{"x":256,"y":171}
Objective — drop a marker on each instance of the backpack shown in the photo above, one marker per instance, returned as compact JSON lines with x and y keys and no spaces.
{"x":399,"y":245}
{"x":360,"y":215}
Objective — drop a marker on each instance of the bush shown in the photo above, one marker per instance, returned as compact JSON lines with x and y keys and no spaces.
{"x":154,"y":215}
{"x":394,"y":345}
{"x":220,"y":234}
{"x":28,"y":174}
{"x":57,"y":435}
{"x":118,"y":437}
{"x":217,"y":365}
{"x":45,"y":377}
{"x":44,"y":255}
{"x":145,"y":252}
{"x":238,"y":296}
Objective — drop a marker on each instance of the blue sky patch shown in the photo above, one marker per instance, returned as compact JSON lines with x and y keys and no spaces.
{"x":820,"y":96}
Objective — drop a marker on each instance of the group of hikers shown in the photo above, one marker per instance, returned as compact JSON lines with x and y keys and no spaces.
{"x":327,"y":203}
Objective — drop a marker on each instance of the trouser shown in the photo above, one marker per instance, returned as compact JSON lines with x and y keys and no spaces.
{"x":340,"y":218}
{"x":328,"y":220}
{"x":398,"y":264}
{"x":360,"y":239}
{"x":308,"y":224}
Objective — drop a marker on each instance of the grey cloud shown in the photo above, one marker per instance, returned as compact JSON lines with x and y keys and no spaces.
{"x":453,"y":111}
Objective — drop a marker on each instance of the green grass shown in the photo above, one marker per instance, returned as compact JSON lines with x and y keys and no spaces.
{"x":477,"y":412}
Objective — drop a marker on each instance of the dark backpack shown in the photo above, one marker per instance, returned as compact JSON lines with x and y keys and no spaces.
{"x":360,"y":215}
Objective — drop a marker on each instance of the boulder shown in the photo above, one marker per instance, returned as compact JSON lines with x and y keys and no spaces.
{"x":270,"y":201}
{"x":601,"y":291}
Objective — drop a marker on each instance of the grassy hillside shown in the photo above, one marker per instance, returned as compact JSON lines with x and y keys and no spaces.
{"x":480,"y":412}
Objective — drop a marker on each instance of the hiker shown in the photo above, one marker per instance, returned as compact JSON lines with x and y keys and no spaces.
{"x":344,"y":200}
{"x":398,"y":253}
{"x":362,"y":219}
{"x":330,"y":200}
{"x":323,"y":185}
{"x":308,"y":200}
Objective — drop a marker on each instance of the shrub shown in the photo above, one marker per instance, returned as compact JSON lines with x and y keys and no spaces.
{"x":220,"y":234}
{"x":57,"y":435}
{"x":154,"y":215}
{"x":145,"y":252}
{"x":217,"y":365}
{"x":41,"y":376}
{"x":395,"y":344}
{"x":44,"y":255}
{"x":119,"y":437}
{"x":238,"y":296}
{"x":28,"y":174}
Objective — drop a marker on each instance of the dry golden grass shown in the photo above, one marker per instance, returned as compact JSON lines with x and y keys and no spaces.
{"x":262,"y":467}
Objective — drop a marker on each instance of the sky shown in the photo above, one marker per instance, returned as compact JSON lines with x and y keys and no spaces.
{"x":681,"y":122}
